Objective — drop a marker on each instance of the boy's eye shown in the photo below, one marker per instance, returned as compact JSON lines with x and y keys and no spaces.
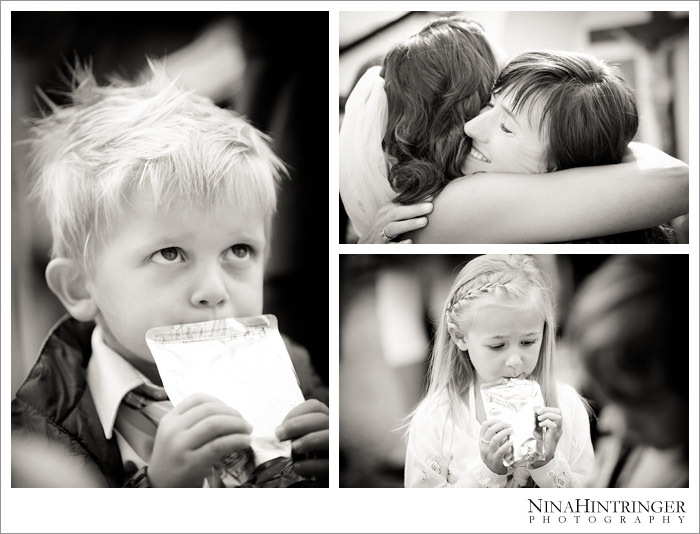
{"x":241,"y":252}
{"x":167,"y":255}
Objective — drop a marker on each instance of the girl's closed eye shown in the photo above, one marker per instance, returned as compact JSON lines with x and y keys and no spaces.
{"x":528,"y":342}
{"x":505,"y":129}
{"x":496,"y":347}
{"x":167,"y":256}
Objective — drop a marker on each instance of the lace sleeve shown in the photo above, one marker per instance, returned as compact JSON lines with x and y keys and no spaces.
{"x":426,"y":464}
{"x":438,"y":456}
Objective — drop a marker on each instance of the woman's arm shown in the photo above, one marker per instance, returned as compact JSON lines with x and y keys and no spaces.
{"x":648,"y":188}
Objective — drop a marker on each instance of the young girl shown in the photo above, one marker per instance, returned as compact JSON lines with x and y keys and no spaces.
{"x":498,"y":323}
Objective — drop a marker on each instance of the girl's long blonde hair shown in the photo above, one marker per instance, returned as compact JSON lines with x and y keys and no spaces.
{"x":489,"y":279}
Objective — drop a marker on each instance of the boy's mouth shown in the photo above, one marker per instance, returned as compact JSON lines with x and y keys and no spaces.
{"x":474,"y":153}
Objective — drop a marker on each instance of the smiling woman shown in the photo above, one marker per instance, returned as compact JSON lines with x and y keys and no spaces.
{"x":553,"y":111}
{"x":550,"y":111}
{"x":504,"y":141}
{"x":556,"y":134}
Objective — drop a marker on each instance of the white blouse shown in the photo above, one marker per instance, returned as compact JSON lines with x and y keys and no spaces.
{"x":442,"y":453}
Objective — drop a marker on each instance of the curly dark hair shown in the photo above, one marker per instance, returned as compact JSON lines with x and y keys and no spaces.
{"x":435,"y":81}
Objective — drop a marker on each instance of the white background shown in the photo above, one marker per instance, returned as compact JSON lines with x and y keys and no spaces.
{"x":334,"y":509}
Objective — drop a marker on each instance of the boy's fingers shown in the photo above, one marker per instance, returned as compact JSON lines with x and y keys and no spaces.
{"x":312,"y":468}
{"x":213,"y":427}
{"x":309,"y":406}
{"x":220,"y":447}
{"x":302,"y":425}
{"x":207,"y":409}
{"x":314,"y":441}
{"x":194,"y":400}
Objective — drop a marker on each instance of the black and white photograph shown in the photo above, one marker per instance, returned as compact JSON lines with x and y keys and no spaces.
{"x":514,"y":127}
{"x":164,"y":176}
{"x":201,"y":286}
{"x":514,"y":371}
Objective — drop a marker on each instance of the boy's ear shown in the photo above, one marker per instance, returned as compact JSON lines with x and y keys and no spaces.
{"x":66,"y":279}
{"x":457,"y":336}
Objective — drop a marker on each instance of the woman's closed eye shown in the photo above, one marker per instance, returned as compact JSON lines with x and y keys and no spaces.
{"x":505,"y":129}
{"x":167,"y":256}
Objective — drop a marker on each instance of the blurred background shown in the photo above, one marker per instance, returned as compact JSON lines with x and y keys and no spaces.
{"x":265,"y":66}
{"x":389,"y":308}
{"x":650,"y":47}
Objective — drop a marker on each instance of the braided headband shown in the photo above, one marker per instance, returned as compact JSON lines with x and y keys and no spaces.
{"x":364,"y":171}
{"x":462,"y":294}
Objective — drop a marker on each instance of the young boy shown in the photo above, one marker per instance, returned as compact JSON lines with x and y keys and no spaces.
{"x":160,"y":205}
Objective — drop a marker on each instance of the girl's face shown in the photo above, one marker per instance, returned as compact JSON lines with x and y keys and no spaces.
{"x":502,"y":341}
{"x":506,"y":141}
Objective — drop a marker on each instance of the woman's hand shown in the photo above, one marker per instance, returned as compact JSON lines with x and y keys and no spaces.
{"x":392,"y":220}
{"x":548,"y":419}
{"x":494,"y":442}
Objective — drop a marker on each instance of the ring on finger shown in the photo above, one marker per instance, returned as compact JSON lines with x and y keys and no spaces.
{"x":485,"y":441}
{"x":385,"y":237}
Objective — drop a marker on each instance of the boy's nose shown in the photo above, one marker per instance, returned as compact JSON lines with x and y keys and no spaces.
{"x":210,"y":290}
{"x":476,"y":128}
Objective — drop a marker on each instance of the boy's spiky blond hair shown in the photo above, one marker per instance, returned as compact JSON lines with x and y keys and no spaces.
{"x":111,"y":141}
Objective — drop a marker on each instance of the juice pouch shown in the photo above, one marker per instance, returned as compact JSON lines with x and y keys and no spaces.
{"x":244,"y":363}
{"x":514,"y":400}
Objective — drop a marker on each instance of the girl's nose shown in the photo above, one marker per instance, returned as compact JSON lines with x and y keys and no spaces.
{"x":209,"y":290}
{"x":514,"y":360}
{"x":476,"y":128}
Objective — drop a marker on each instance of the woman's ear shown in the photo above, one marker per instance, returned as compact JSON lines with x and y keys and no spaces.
{"x":457,"y":336}
{"x":67,"y":281}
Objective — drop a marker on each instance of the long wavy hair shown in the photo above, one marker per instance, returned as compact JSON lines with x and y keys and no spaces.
{"x":435,"y":81}
{"x":488,"y":280}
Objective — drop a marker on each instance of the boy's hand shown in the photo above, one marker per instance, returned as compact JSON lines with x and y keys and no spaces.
{"x":191,"y":438}
{"x":307,"y":426}
{"x":494,"y":442}
{"x":549,"y":419}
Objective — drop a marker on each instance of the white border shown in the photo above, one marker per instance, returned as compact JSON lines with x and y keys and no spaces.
{"x":332,"y":510}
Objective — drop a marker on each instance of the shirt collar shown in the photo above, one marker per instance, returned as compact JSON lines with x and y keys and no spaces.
{"x":109,"y":377}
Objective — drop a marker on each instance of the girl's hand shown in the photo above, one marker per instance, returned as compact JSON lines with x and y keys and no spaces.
{"x":494,"y":442}
{"x":549,"y":419}
{"x":392,"y":220}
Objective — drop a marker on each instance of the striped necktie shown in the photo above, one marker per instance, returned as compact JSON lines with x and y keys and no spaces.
{"x":137,"y":421}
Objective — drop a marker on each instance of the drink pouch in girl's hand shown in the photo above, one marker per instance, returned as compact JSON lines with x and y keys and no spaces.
{"x":514,"y":400}
{"x":243,"y":362}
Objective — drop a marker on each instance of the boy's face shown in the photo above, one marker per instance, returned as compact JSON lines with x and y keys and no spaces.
{"x":181,"y":265}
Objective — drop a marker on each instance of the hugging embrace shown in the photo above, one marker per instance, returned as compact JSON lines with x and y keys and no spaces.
{"x":444,"y":143}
